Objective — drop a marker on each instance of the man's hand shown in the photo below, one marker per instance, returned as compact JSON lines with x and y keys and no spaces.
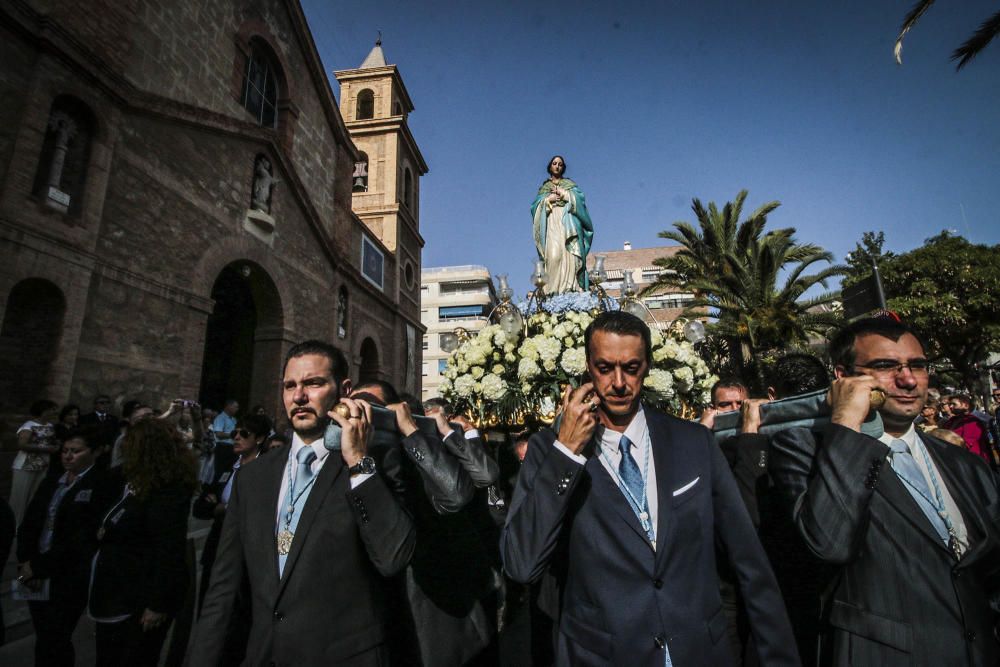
{"x":578,"y":419}
{"x":750,"y":414}
{"x":707,"y":418}
{"x":356,"y":429}
{"x":24,"y":573}
{"x":464,"y":422}
{"x":152,"y":619}
{"x":850,"y":400}
{"x":404,"y":418}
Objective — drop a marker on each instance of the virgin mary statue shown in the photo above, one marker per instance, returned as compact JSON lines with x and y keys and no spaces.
{"x":563,"y":231}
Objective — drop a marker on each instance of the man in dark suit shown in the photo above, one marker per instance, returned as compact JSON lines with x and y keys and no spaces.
{"x":105,"y":425}
{"x":316,"y":529}
{"x":626,"y":505}
{"x":909,"y":522}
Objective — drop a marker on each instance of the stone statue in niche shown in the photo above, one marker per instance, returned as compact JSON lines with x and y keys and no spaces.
{"x":263,"y":185}
{"x":342,"y":314}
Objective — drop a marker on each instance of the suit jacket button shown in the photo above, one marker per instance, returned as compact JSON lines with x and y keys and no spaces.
{"x":660,"y":641}
{"x":278,"y":616}
{"x":970,"y":636}
{"x":657,"y":583}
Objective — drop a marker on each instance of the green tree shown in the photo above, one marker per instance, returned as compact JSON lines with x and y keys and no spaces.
{"x":735,"y":270}
{"x":866,"y":251}
{"x":949,"y":291}
{"x":978,"y":41}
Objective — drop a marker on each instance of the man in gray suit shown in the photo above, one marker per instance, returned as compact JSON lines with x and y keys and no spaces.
{"x":909,"y":521}
{"x":315,"y":530}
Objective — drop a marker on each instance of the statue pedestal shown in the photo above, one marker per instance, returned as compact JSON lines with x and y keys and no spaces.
{"x":259,"y":224}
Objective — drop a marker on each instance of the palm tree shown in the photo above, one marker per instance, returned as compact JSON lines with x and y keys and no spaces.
{"x":979,"y":40}
{"x":735,"y":270}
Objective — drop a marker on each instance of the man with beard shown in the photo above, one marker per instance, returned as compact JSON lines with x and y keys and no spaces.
{"x":625,"y":506}
{"x":909,"y":522}
{"x":316,"y":529}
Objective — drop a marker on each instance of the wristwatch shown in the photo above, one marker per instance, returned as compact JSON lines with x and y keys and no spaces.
{"x":365,"y":466}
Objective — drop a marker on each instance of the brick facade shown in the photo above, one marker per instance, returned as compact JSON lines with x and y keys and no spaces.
{"x":168,"y":183}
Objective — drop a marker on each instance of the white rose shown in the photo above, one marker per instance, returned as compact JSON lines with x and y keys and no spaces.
{"x":548,"y":348}
{"x":464,"y":386}
{"x":574,"y":361}
{"x":494,"y":388}
{"x":498,"y":369}
{"x":527,"y":369}
{"x":660,"y":382}
{"x":685,"y":378}
{"x":477,"y":372}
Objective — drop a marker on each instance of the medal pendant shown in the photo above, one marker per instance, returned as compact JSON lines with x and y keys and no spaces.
{"x":285,"y":542}
{"x":643,"y":516}
{"x":955,"y":547}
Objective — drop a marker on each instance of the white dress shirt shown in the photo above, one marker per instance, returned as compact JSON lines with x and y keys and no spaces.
{"x":913,"y":442}
{"x":321,"y":455}
{"x":610,"y":456}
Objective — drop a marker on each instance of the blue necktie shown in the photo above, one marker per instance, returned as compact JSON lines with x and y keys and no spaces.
{"x":913,"y":479}
{"x":631,"y":477}
{"x":298,"y":491}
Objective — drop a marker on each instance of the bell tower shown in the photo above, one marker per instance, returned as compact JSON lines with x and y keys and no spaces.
{"x":386,"y":181}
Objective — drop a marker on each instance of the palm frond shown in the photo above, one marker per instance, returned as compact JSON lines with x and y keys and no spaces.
{"x":980,"y":39}
{"x":908,"y":22}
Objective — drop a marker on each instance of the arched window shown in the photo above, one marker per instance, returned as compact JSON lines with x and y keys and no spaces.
{"x":62,"y":166}
{"x":408,"y":188}
{"x":260,"y":85}
{"x":366,"y":105}
{"x":361,"y":173}
{"x":31,"y":331}
{"x":368,"y":370}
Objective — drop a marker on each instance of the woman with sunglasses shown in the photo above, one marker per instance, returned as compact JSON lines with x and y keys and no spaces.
{"x":248,"y":437}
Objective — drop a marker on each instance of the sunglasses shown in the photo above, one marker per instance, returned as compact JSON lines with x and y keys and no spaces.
{"x":242,"y":432}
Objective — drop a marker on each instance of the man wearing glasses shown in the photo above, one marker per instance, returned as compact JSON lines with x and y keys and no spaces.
{"x":909,"y":522}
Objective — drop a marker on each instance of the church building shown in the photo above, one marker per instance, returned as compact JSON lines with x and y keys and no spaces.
{"x":182,"y":199}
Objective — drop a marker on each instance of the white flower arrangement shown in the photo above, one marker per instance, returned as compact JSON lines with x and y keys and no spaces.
{"x":509,"y":375}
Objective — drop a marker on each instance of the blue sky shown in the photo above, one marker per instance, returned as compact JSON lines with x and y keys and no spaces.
{"x":653,"y":103}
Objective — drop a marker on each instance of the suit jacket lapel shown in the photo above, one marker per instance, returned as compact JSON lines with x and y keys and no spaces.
{"x":896,"y":494}
{"x":266,"y":532}
{"x":666,"y":468}
{"x":945,"y":460}
{"x":324,"y":482}
{"x":606,"y":485}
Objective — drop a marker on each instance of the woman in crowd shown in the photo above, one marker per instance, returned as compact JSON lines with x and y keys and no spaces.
{"x":928,"y":420}
{"x":206,"y":449}
{"x":139,"y":575}
{"x":56,"y":544}
{"x":248,"y":442}
{"x":69,"y":420}
{"x":36,"y":441}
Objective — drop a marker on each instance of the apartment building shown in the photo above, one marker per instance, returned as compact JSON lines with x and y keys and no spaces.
{"x":451,"y":297}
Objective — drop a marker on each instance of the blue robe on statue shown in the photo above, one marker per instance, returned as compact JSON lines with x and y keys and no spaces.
{"x":563,"y":234}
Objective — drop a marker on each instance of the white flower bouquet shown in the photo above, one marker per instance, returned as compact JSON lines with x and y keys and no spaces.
{"x":502,"y":379}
